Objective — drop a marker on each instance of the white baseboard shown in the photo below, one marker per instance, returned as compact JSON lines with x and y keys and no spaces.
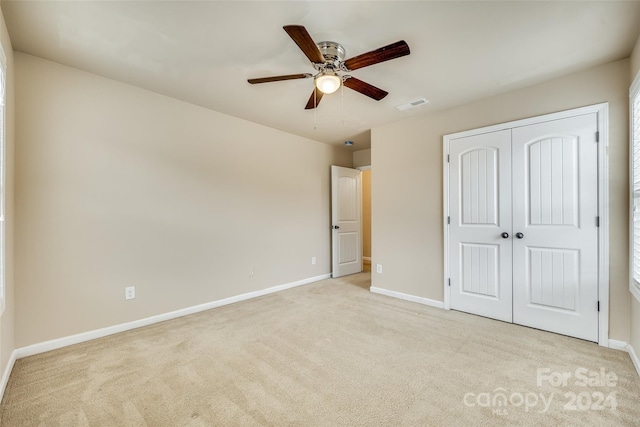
{"x":407,"y":297}
{"x":624,"y":346}
{"x":99,"y":333}
{"x":618,"y":345}
{"x":7,"y":372}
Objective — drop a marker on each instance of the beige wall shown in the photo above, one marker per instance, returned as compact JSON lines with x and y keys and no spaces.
{"x":635,"y":305}
{"x":362,"y":158}
{"x":7,"y":320}
{"x":407,"y":195}
{"x":117,"y":186}
{"x":366,"y":213}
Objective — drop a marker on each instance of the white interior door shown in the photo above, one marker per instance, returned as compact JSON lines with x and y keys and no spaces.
{"x":480,"y":228}
{"x":346,"y":219}
{"x":555,"y":205}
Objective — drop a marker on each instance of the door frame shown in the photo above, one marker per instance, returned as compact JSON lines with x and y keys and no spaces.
{"x":362,"y":169}
{"x":602,"y":111}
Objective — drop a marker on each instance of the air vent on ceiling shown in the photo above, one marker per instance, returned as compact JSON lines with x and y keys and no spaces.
{"x":412,"y":104}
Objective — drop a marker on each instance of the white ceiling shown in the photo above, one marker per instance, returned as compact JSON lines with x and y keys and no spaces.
{"x":202,"y":52}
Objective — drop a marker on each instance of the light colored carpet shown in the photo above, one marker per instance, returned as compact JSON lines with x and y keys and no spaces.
{"x":329,"y":353}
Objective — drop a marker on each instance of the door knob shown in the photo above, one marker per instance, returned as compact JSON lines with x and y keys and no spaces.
{"x":335,"y":227}
{"x":505,"y":235}
{"x":519,"y":235}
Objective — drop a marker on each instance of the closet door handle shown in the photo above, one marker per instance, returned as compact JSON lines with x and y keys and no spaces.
{"x":519,"y":235}
{"x":505,"y":235}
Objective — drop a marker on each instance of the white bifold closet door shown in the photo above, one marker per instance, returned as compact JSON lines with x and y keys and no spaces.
{"x":480,"y":209}
{"x":555,"y":208}
{"x":523,"y":233}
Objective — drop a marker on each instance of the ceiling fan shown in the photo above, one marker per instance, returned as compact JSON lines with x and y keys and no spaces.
{"x":328,"y":59}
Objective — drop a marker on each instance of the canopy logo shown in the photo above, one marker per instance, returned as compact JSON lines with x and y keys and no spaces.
{"x":499,"y":400}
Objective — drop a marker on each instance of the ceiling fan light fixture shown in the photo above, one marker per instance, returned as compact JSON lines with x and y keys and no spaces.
{"x":328,"y":82}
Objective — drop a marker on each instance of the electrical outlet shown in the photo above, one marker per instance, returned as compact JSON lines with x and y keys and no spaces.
{"x":130,"y":292}
{"x":313,"y":260}
{"x":379,"y":268}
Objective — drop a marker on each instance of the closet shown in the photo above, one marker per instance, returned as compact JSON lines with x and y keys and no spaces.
{"x":522,"y":223}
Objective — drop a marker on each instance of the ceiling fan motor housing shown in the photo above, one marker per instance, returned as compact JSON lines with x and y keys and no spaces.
{"x":332,"y":52}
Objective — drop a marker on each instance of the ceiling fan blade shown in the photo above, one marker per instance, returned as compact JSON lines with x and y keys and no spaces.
{"x":279,"y":78}
{"x":365,"y":88}
{"x":314,"y":100}
{"x":386,"y":53}
{"x":304,"y":41}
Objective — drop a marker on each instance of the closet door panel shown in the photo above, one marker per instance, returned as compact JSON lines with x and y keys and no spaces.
{"x":555,"y":205}
{"x":480,"y":209}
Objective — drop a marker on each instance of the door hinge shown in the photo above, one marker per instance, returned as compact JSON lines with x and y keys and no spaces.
{"x":448,"y":220}
{"x":447,"y":158}
{"x":597,"y":221}
{"x":598,"y":305}
{"x":597,"y":136}
{"x":449,"y":281}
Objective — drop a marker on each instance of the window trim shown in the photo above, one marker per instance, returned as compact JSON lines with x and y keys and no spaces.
{"x":634,"y":91}
{"x":3,"y":151}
